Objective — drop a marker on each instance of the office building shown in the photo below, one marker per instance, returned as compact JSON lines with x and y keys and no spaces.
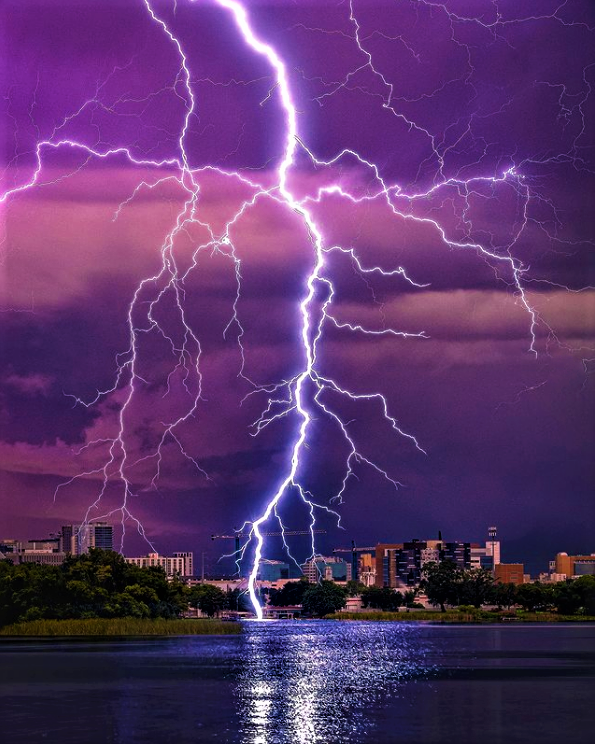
{"x":45,"y":557}
{"x":8,"y":546}
{"x":328,"y":568}
{"x":570,"y":566}
{"x":366,"y":573}
{"x":45,"y":551}
{"x":77,"y":539}
{"x":180,"y":564}
{"x":188,"y":557}
{"x":272,"y":570}
{"x":401,"y":564}
{"x":487,"y":556}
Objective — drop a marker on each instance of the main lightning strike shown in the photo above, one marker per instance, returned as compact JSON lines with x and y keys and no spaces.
{"x":303,"y":394}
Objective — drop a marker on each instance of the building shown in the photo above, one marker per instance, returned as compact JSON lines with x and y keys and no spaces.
{"x":45,"y":557}
{"x":401,"y":564}
{"x":77,"y":539}
{"x":45,"y":551}
{"x":328,"y":568}
{"x":48,"y":544}
{"x":486,"y":557}
{"x":272,"y":570}
{"x":510,"y":573}
{"x":8,"y":546}
{"x":189,"y":558}
{"x":180,"y":564}
{"x":570,"y":566}
{"x":291,"y":612}
{"x":366,"y":573}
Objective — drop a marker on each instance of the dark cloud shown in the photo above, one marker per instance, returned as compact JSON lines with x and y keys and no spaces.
{"x":508,"y":435}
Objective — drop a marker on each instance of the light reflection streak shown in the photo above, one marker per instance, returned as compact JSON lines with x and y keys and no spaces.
{"x":300,"y":686}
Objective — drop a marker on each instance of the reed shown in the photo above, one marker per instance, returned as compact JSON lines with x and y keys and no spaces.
{"x":126,"y":626}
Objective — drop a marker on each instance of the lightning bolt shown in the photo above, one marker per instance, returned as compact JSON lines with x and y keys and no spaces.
{"x":310,"y":393}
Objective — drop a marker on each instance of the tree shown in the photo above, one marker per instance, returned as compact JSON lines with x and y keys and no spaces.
{"x":534,"y":596}
{"x":236,"y":599}
{"x":384,"y":598}
{"x":503,"y":595}
{"x":575,"y":596}
{"x":354,"y":588}
{"x":323,"y":599}
{"x":291,"y":594}
{"x":441,"y":582}
{"x":409,"y":597}
{"x":208,"y":598}
{"x":475,"y":587}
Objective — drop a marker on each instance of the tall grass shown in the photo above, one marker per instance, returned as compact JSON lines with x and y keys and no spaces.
{"x":126,"y":626}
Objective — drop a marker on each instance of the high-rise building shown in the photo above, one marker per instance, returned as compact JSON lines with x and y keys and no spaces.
{"x":486,"y":557}
{"x":401,"y":564}
{"x":180,"y":564}
{"x":77,"y":539}
{"x":188,"y":557}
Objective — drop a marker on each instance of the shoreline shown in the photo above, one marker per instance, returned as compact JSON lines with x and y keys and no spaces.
{"x":461,"y":618}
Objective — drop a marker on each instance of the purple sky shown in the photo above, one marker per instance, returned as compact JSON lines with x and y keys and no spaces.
{"x":478,"y":115}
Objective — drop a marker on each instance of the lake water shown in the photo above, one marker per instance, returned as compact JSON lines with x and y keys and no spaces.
{"x":318,"y":682}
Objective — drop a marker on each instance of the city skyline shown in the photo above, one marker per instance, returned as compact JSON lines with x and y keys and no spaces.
{"x":223,"y":564}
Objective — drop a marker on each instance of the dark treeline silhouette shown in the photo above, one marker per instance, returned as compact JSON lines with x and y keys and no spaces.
{"x":445,"y":583}
{"x":97,"y":584}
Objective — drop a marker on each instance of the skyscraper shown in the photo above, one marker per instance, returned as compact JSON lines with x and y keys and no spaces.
{"x":77,"y":539}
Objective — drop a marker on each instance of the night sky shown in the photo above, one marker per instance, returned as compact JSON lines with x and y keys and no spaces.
{"x":469,"y":127}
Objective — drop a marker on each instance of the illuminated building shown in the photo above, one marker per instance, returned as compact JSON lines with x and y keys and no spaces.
{"x":180,"y":564}
{"x":77,"y":539}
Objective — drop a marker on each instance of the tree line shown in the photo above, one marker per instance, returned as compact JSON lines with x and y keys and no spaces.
{"x":447,"y":584}
{"x":101,"y":584}
{"x":97,"y":584}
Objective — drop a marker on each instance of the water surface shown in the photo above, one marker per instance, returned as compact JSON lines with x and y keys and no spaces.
{"x":306,"y":682}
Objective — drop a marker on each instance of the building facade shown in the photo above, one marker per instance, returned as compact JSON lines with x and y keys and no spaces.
{"x":401,"y":564}
{"x":574,"y":565}
{"x":179,"y":564}
{"x":510,"y":573}
{"x":328,"y":568}
{"x":76,"y":539}
{"x":269,"y":570}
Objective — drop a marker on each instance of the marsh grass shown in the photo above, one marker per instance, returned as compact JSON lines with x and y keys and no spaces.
{"x":121,"y":627}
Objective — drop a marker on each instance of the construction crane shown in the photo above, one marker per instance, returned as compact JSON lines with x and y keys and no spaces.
{"x":354,"y":551}
{"x":287,"y":533}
